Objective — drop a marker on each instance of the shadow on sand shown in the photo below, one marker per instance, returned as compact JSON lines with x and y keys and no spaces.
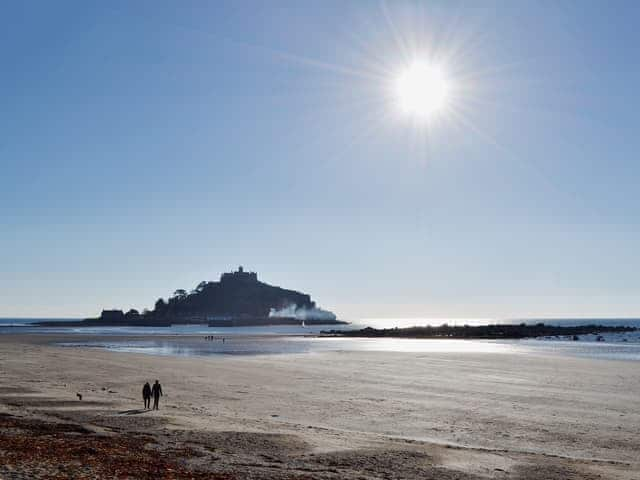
{"x":134,"y":412}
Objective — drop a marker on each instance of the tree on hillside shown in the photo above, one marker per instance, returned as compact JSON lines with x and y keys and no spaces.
{"x":160,"y":307}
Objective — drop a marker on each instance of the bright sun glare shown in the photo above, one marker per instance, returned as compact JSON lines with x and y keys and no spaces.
{"x":422,"y":90}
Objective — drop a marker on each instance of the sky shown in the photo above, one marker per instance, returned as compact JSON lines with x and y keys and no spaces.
{"x":148,"y":145}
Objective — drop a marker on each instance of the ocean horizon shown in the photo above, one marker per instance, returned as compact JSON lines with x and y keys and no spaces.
{"x":392,"y":322}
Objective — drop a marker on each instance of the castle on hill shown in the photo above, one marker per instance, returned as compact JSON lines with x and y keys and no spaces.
{"x":239,"y":276}
{"x":237,"y":299}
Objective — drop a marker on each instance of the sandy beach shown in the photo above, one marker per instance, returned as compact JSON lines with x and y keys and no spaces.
{"x":360,"y":415}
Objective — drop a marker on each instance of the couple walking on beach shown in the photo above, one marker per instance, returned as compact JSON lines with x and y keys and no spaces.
{"x":148,"y":391}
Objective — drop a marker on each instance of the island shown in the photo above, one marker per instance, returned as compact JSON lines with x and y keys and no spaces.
{"x":487,"y":332}
{"x":237,"y":299}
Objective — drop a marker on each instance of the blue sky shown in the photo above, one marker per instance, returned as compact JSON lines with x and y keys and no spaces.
{"x":146,"y":146}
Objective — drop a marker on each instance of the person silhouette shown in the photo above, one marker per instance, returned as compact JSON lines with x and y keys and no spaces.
{"x":156,"y":390}
{"x":146,"y":395}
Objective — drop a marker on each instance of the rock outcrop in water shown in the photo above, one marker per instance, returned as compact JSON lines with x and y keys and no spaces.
{"x":238,"y":299}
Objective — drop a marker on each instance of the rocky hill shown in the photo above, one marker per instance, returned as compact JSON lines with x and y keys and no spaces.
{"x":237,"y":293}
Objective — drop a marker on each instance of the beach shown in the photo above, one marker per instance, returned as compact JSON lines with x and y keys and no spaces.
{"x":333,"y":414}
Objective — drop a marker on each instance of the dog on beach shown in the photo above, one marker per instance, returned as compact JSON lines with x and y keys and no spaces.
{"x":79,"y":395}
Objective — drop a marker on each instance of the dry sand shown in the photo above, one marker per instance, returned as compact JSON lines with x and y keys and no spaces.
{"x":347,"y":415}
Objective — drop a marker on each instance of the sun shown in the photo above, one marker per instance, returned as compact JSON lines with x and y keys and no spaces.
{"x":422,"y":90}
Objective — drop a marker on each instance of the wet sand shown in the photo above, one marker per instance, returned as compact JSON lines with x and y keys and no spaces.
{"x":333,"y":415}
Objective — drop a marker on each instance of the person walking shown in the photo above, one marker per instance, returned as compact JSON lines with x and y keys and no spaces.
{"x":156,"y":390}
{"x":146,"y":395}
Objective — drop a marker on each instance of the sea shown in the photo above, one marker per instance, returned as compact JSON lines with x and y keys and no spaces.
{"x":201,"y":340}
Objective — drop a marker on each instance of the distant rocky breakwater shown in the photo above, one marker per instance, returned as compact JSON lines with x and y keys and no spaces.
{"x":484,"y":332}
